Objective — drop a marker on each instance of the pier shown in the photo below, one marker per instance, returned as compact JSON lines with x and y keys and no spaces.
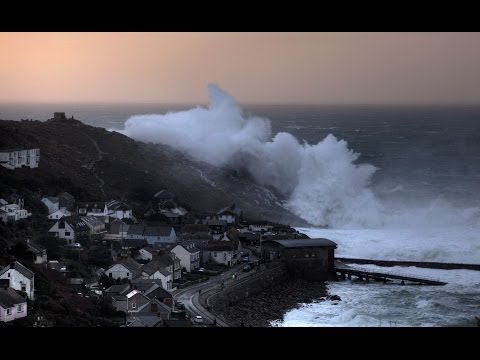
{"x":345,"y":271}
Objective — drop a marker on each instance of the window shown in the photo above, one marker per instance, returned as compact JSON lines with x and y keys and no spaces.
{"x":9,"y":311}
{"x":128,"y":274}
{"x":82,"y":211}
{"x":110,"y":275}
{"x":20,"y":308}
{"x":8,"y":274}
{"x":24,"y":287}
{"x":67,"y":233}
{"x":215,"y":254}
{"x":134,"y":305}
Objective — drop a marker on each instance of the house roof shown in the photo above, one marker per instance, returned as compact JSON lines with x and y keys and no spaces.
{"x":20,"y":268}
{"x":92,"y":220}
{"x":118,"y":205}
{"x":158,"y":292}
{"x":231,"y":208}
{"x":146,"y":308}
{"x":153,"y":266}
{"x":149,"y":249}
{"x":3,"y":202}
{"x":3,"y":211}
{"x":36,"y":248}
{"x":52,"y":199}
{"x":219,"y":246}
{"x":157,"y":231}
{"x":216,"y":222}
{"x":132,"y":293}
{"x":67,"y":196}
{"x":91,"y":205}
{"x":131,"y":264}
{"x":75,"y":222}
{"x":9,"y":298}
{"x":147,"y":320}
{"x":300,"y":243}
{"x":136,"y":229}
{"x":117,"y":289}
{"x":133,"y":243}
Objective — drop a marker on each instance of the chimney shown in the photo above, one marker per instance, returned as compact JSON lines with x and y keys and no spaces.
{"x":12,"y":263}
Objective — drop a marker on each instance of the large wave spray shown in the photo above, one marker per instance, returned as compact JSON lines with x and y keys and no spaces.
{"x":322,"y":183}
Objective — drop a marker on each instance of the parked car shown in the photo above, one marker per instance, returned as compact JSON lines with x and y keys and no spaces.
{"x":198,"y":319}
{"x":247,"y":268}
{"x":77,"y":245}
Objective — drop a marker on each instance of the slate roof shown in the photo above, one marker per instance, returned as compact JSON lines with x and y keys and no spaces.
{"x":159,"y":293}
{"x":231,"y":208}
{"x":151,"y":267}
{"x":20,"y":268}
{"x":52,"y":199}
{"x":117,"y":289}
{"x":134,"y":243}
{"x":299,"y":243}
{"x":157,"y":231}
{"x":136,"y":229}
{"x":9,"y":298}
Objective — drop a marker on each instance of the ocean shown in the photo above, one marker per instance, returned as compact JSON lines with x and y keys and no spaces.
{"x":391,"y":183}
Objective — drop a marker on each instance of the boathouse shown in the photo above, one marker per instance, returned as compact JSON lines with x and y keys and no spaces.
{"x":307,"y":258}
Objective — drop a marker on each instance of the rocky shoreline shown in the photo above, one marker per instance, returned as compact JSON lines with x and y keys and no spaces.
{"x":272,"y":303}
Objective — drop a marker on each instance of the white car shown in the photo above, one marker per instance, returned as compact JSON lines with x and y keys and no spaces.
{"x":198,"y":319}
{"x":77,"y":245}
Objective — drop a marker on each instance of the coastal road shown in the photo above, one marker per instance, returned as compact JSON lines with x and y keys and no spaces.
{"x":189,"y":296}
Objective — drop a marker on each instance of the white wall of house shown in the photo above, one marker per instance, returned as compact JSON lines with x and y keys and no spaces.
{"x":67,"y":233}
{"x":14,"y":212}
{"x":19,"y":281}
{"x":118,"y":271}
{"x":230,"y":219}
{"x":121,"y":214}
{"x":223,"y":257}
{"x":59,"y":214}
{"x":144,"y":255}
{"x":19,"y":158}
{"x":260,"y":227}
{"x":40,"y":258}
{"x":189,"y":261}
{"x":16,"y":312}
{"x":52,"y":206}
{"x":166,"y":279}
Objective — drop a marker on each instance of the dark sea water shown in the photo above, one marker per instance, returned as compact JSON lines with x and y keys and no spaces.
{"x":427,"y":160}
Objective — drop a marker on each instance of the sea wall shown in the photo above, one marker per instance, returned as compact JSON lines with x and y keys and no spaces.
{"x":218,"y":300}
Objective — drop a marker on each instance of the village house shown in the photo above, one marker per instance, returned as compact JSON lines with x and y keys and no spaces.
{"x":119,"y":210}
{"x":92,"y":208}
{"x":20,"y":278}
{"x":160,"y":234}
{"x":135,"y":231}
{"x":153,"y":289}
{"x":94,"y":224}
{"x":127,"y":269}
{"x":12,"y":305}
{"x":14,"y":211}
{"x":231,"y":214}
{"x":39,"y":253}
{"x":220,"y":252}
{"x":52,"y":203}
{"x":118,"y":230}
{"x":129,"y":302}
{"x":151,"y":314}
{"x":18,"y":158}
{"x":145,"y":254}
{"x":59,"y":214}
{"x":260,"y":227}
{"x":189,"y":256}
{"x":71,"y":229}
{"x":155,"y":269}
{"x":216,"y":227}
{"x":66,"y":201}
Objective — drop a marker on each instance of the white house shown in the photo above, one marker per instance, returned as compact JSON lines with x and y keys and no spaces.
{"x":15,"y":212}
{"x":94,"y":224}
{"x":155,"y":270}
{"x":231,"y":214}
{"x":145,"y":253}
{"x":128,"y":269}
{"x":160,"y":234}
{"x":119,"y":210}
{"x":12,"y":305}
{"x":17,"y":158}
{"x":20,"y":278}
{"x":189,"y":256}
{"x":39,"y":253}
{"x":92,"y":208}
{"x":70,"y":229}
{"x":52,"y":203}
{"x":59,"y":214}
{"x":219,"y":252}
{"x":260,"y":227}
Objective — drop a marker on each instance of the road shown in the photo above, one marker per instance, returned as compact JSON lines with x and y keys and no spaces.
{"x":189,"y":296}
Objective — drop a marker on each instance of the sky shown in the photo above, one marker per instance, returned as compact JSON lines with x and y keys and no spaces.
{"x":290,"y":68}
